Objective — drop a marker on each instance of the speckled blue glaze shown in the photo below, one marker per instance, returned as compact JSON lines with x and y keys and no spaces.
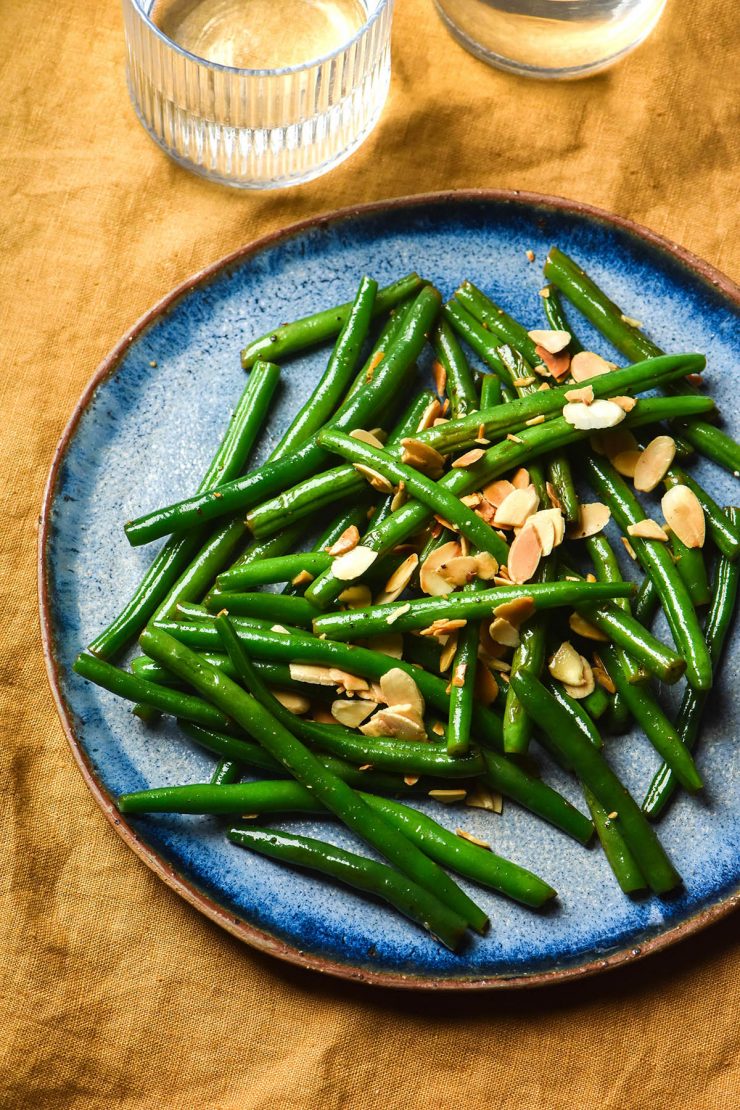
{"x":145,"y":438}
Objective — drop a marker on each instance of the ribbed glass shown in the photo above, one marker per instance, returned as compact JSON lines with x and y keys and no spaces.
{"x":258,"y":129}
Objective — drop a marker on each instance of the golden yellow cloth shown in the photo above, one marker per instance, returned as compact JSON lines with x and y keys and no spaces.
{"x":113,"y":992}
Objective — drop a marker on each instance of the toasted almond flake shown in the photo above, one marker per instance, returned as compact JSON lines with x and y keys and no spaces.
{"x":552,"y":494}
{"x":371,"y":438}
{"x":629,"y":548}
{"x":647,"y":529}
{"x":496,"y":492}
{"x":604,"y":680}
{"x":584,"y":394}
{"x":614,"y":442}
{"x":438,"y":728}
{"x":302,"y":578}
{"x":458,"y":678}
{"x":566,"y":665}
{"x":440,"y":377}
{"x":449,"y":650}
{"x":464,"y":545}
{"x":486,"y":565}
{"x":439,"y":420}
{"x":395,"y":723}
{"x":375,"y":361}
{"x":503,"y":632}
{"x":351,"y":714}
{"x":352,"y":683}
{"x":530,"y":255}
{"x":516,"y":612}
{"x":389,"y":643}
{"x":481,"y":796}
{"x":501,"y":665}
{"x":469,"y":458}
{"x":587,"y":364}
{"x":349,"y":539}
{"x":312,"y":673}
{"x":552,"y":341}
{"x":397,"y":613}
{"x":400,"y":497}
{"x":535,"y":420}
{"x":521,"y":383}
{"x":584,"y":688}
{"x":543,"y":388}
{"x":582,"y":627}
{"x":377,"y":481}
{"x":446,"y":523}
{"x":430,"y":577}
{"x":472,"y":500}
{"x":654,"y":463}
{"x":410,"y":780}
{"x":280,"y":628}
{"x":422,"y":457}
{"x":486,"y":687}
{"x":550,"y":527}
{"x":460,"y":571}
{"x":524,"y":555}
{"x":630,"y":321}
{"x":295,"y":703}
{"x":545,"y":292}
{"x":592,"y":517}
{"x":558,"y":365}
{"x":323,"y":716}
{"x":353,"y":564}
{"x":365,"y":767}
{"x":520,"y":479}
{"x":399,"y":688}
{"x":356,"y":597}
{"x":626,"y":403}
{"x":473,"y":839}
{"x":399,"y":580}
{"x":430,"y":414}
{"x":516,"y":508}
{"x":449,"y":797}
{"x":600,"y":414}
{"x":513,"y":439}
{"x":625,"y":463}
{"x":684,"y":515}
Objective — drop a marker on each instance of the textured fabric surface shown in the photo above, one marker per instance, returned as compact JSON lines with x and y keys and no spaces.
{"x":113,"y":992}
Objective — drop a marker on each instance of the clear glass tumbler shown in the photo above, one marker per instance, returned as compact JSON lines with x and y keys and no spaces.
{"x":258,"y":128}
{"x":550,"y":38}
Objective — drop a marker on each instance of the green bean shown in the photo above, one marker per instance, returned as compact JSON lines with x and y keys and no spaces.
{"x":653,"y":722}
{"x":309,"y":457}
{"x":334,"y":794}
{"x":656,"y":562}
{"x":725,"y":533}
{"x":463,"y":857}
{"x":533,"y":794}
{"x":692,"y":568}
{"x":596,"y":774}
{"x":363,"y":874}
{"x":136,"y":689}
{"x":213,"y":556}
{"x":276,"y":674}
{"x":282,"y":568}
{"x":175,"y":556}
{"x":618,"y":855}
{"x":226,"y":772}
{"x":274,"y":607}
{"x":719,"y":619}
{"x":432,"y":494}
{"x":291,"y":339}
{"x":460,"y":384}
{"x":462,"y":684}
{"x":490,"y":392}
{"x":412,"y":615}
{"x":406,"y":426}
{"x":498,"y":460}
{"x":579,"y":716}
{"x":530,"y":655}
{"x":552,"y":306}
{"x":270,"y":796}
{"x":266,"y":549}
{"x":597,"y":703}
{"x":339,"y":372}
{"x":627,"y":337}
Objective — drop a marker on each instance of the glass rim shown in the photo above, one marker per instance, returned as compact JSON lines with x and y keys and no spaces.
{"x":279,"y":71}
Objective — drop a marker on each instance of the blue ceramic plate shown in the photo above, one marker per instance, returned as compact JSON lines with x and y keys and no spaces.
{"x":143,"y":433}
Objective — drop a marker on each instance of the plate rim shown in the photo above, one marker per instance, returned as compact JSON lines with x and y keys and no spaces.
{"x":238,"y":926}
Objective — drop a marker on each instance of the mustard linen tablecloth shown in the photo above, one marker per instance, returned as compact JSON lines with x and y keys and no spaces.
{"x":114,"y":993}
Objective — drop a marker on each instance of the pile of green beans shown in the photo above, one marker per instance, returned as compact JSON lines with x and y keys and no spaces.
{"x":290,"y":688}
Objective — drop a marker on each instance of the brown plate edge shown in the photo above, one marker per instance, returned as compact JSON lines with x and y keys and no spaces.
{"x":237,"y":926}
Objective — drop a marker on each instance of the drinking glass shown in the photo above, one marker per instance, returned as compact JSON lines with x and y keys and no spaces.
{"x":550,"y":38}
{"x":259,"y":125}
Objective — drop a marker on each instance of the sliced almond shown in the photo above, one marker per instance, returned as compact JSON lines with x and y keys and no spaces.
{"x":469,"y":458}
{"x":600,"y":414}
{"x":472,"y":500}
{"x":524,"y":555}
{"x":377,"y":481}
{"x":460,"y":570}
{"x":397,"y":613}
{"x":517,"y":611}
{"x":520,"y":383}
{"x":592,"y":517}
{"x":400,"y":497}
{"x":557,"y":365}
{"x":352,"y":683}
{"x":629,"y":548}
{"x":302,"y":578}
{"x":626,"y":403}
{"x":486,"y":686}
{"x":430,"y":414}
{"x":430,"y":576}
{"x":647,"y":529}
{"x":313,"y":674}
{"x":521,"y":479}
{"x":323,"y":716}
{"x":535,"y":420}
{"x":399,"y":688}
{"x":295,"y":703}
{"x":566,"y":665}
{"x":349,"y":539}
{"x":613,"y":443}
{"x":604,"y":680}
{"x":351,"y":714}
{"x":654,"y":463}
{"x":473,"y":839}
{"x":449,"y":797}
{"x":370,"y":438}
{"x":497,"y":492}
{"x":553,"y":495}
{"x":503,"y":632}
{"x":584,"y":628}
{"x":545,"y":529}
{"x":458,"y":677}
{"x":440,"y":377}
{"x":280,"y":628}
{"x":516,"y":507}
{"x":587,"y":364}
{"x":396,"y":724}
{"x":389,"y":643}
{"x":552,"y":341}
{"x":684,"y":515}
{"x":625,"y":463}
{"x":356,"y":597}
{"x":449,"y":651}
{"x":631,"y":321}
{"x":585,"y":394}
{"x":399,"y":580}
{"x":481,"y":796}
{"x":410,"y":780}
{"x":443,"y":626}
{"x":354,"y":564}
{"x":422,"y":457}
{"x":486,"y":565}
{"x":585,"y":687}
